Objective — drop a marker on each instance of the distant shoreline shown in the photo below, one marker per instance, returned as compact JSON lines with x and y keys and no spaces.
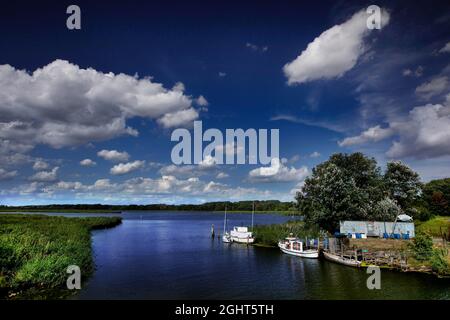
{"x":58,"y":211}
{"x":145,"y":211}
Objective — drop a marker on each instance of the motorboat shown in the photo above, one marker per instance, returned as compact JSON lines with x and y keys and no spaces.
{"x":241,"y":235}
{"x":296,"y":247}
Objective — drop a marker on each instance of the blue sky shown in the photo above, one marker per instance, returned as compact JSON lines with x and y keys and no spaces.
{"x":111,"y":94}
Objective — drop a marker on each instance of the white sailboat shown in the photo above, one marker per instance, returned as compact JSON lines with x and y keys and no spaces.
{"x":226,"y":236}
{"x":295,"y":247}
{"x":241,"y":234}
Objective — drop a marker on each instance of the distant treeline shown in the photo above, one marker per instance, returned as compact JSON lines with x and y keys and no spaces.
{"x":267,"y":205}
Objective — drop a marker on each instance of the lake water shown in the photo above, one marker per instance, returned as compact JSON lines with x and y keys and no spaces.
{"x":170,"y":255}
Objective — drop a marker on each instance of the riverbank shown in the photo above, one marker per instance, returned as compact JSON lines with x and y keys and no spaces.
{"x":391,"y":254}
{"x":35,"y":251}
{"x":401,"y":255}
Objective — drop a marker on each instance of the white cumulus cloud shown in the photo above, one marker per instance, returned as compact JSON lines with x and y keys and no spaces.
{"x":113,"y":155}
{"x":6,"y":175}
{"x":201,"y":101}
{"x":45,"y":176}
{"x":445,"y":48}
{"x":87,"y":163}
{"x":332,"y":53}
{"x":373,"y":134}
{"x":124,"y":168}
{"x":222,"y":175}
{"x":277,"y":172}
{"x":62,"y":104}
{"x":40,"y":165}
{"x":178,"y":118}
{"x":423,"y":133}
{"x":433,"y":87}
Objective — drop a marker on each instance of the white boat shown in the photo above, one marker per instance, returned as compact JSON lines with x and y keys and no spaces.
{"x":295,"y":247}
{"x":226,"y":236}
{"x":341,"y":260}
{"x":241,"y":235}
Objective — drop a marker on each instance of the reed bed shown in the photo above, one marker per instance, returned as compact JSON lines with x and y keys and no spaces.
{"x":269,"y":235}
{"x":35,"y":250}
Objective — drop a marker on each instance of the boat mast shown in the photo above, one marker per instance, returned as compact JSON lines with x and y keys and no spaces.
{"x":225,"y":221}
{"x":253,"y":213}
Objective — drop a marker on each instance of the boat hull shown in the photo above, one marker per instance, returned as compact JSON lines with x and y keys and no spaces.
{"x":310,"y":254}
{"x":345,"y":261}
{"x":242,"y":240}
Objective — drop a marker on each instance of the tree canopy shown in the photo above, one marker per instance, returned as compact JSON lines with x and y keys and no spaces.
{"x":352,"y":187}
{"x":403,"y":184}
{"x":436,"y":194}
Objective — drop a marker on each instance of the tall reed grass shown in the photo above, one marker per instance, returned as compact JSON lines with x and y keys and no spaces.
{"x":35,"y":250}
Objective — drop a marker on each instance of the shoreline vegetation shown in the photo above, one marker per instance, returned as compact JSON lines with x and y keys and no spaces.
{"x":35,"y":251}
{"x":427,"y":253}
{"x":24,"y":211}
{"x":269,"y":235}
{"x":266,"y":206}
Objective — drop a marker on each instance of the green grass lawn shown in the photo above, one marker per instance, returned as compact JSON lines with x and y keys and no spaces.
{"x":35,"y":250}
{"x":434,"y":226}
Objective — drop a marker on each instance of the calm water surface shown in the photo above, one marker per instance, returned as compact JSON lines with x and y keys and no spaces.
{"x":170,"y":255}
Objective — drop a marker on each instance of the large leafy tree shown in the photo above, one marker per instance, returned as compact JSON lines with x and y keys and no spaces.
{"x":344,"y":187}
{"x":402,"y":184}
{"x":352,"y":187}
{"x":436,"y":194}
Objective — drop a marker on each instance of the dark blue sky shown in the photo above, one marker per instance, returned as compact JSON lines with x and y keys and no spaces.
{"x":383,"y":92}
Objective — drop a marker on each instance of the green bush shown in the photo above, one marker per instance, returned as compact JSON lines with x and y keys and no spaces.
{"x":439,"y":263}
{"x":422,"y":246}
{"x":421,"y":213}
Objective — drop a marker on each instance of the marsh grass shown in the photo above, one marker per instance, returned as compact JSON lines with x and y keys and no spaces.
{"x":35,"y":250}
{"x":269,"y":235}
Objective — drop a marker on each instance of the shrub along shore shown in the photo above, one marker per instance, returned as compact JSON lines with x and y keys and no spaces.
{"x":35,"y":251}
